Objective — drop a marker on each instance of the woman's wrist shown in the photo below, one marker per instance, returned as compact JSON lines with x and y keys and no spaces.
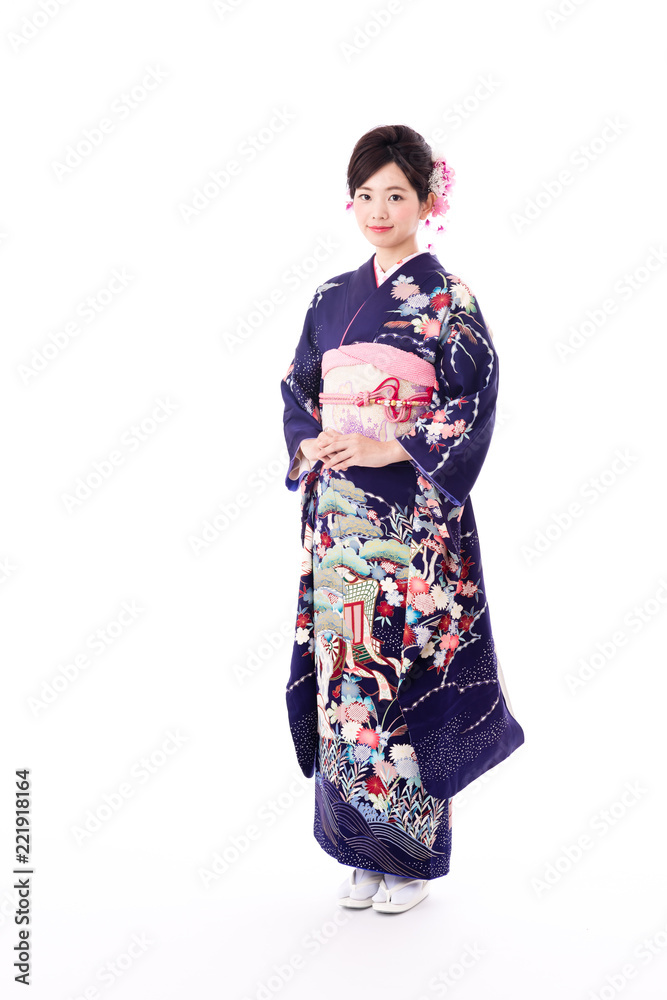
{"x":395,"y":450}
{"x":304,"y":451}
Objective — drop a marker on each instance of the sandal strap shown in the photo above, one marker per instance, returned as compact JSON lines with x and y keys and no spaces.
{"x":368,"y":880}
{"x":397,"y":888}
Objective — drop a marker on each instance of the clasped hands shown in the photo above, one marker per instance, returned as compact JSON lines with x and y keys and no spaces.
{"x":338,"y":451}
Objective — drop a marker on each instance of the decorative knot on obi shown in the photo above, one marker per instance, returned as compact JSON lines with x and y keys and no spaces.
{"x":386,"y":394}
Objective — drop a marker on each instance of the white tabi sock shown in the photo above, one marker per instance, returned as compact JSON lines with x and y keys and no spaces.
{"x":360,"y":892}
{"x":401,"y":895}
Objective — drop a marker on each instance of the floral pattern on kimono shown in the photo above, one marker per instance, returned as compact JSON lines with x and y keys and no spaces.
{"x":395,"y":698}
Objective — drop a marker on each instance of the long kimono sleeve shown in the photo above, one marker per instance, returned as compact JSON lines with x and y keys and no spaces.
{"x":300,"y":391}
{"x":450,"y":440}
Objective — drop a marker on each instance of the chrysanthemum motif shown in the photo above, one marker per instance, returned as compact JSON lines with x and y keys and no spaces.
{"x":404,"y":287}
{"x":461,"y":294}
{"x":375,"y":786}
{"x":422,"y":634}
{"x":417,"y":301}
{"x":385,"y":770}
{"x":424,"y":603}
{"x":405,"y":760}
{"x":350,"y":731}
{"x":357,"y":712}
{"x":431,"y":328}
{"x":361,"y":753}
{"x":337,"y":714}
{"x":418,"y":585}
{"x":368,"y":736}
{"x":440,"y":597}
{"x":349,"y":689}
{"x":440,"y":300}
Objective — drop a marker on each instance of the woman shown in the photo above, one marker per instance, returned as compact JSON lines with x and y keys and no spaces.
{"x":395,"y":699}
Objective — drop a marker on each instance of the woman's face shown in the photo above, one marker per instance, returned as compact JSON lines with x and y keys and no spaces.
{"x":387,"y":208}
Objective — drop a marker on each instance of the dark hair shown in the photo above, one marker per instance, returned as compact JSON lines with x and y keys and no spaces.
{"x":397,"y":144}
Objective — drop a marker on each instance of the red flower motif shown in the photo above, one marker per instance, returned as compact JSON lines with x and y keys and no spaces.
{"x":326,"y":539}
{"x":431,"y":328}
{"x":465,"y":567}
{"x":408,"y":636}
{"x":385,"y":609}
{"x":303,"y":620}
{"x":449,"y":641}
{"x":369,"y":737}
{"x":465,"y":622}
{"x":376,"y":786}
{"x":402,"y":586}
{"x":441,"y":300}
{"x":418,"y":585}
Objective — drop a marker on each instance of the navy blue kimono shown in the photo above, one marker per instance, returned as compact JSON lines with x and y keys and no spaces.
{"x":395,"y":698}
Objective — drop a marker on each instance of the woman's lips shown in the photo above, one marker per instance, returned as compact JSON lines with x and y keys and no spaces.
{"x":379,"y":229}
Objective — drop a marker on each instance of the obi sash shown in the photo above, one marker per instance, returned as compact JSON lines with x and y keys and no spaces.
{"x":375,"y":389}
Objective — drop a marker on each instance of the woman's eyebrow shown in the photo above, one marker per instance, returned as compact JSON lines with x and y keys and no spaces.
{"x":394,"y":187}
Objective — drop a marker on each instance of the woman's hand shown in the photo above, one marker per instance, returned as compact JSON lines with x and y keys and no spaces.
{"x":338,"y":451}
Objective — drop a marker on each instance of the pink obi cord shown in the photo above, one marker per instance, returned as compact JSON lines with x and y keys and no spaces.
{"x":387,"y":396}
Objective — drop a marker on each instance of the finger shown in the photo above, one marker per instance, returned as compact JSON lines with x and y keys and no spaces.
{"x":342,"y":459}
{"x":331,"y":449}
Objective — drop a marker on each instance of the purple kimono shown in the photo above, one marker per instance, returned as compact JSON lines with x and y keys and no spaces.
{"x":395,"y":699}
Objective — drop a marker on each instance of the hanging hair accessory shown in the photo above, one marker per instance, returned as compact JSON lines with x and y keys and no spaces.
{"x":440,"y":181}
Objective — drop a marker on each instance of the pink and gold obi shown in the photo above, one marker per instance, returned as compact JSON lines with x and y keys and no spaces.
{"x":374,"y":389}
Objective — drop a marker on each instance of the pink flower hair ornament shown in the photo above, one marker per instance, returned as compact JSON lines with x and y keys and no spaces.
{"x":440,"y":181}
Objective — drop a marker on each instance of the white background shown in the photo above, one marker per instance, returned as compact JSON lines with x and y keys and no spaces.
{"x":518,"y":96}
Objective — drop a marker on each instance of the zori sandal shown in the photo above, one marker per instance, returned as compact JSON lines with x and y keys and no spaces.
{"x":383,"y":899}
{"x":356,"y":891}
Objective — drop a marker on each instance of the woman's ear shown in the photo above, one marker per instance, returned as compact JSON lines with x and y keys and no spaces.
{"x":428,"y":205}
